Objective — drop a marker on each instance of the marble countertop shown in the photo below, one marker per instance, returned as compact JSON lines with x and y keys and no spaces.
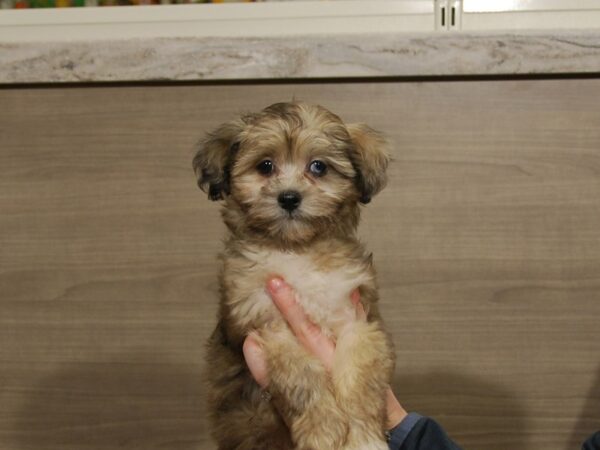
{"x":352,"y":55}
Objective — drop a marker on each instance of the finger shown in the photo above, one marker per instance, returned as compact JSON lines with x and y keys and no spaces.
{"x":358,"y":306}
{"x":355,"y":297}
{"x":309,"y":334}
{"x":284,"y":298}
{"x":318,"y":343}
{"x":395,"y":412}
{"x":256,"y":361}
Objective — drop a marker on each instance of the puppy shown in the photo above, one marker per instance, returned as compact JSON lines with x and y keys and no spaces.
{"x":292,"y":178}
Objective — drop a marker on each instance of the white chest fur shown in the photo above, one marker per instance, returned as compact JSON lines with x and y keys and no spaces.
{"x":322,"y":288}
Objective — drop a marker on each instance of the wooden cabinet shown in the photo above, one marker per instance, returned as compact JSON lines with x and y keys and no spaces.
{"x":487,"y":243}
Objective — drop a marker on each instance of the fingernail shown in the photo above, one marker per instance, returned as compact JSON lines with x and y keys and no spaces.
{"x":253,"y":338}
{"x":253,"y":346}
{"x":275,"y":284}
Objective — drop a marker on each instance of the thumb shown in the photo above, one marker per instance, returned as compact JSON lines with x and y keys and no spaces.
{"x":256,"y":361}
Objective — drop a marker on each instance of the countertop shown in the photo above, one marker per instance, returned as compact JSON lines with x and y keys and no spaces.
{"x":297,"y":57}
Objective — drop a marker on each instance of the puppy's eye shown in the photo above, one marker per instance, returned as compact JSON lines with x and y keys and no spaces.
{"x":265,"y":167}
{"x":318,"y":168}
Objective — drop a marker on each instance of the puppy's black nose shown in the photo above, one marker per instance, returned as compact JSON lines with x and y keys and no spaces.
{"x":289,"y":200}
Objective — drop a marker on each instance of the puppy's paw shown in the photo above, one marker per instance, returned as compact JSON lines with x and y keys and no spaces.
{"x":363,"y":360}
{"x":361,"y":375}
{"x":302,"y":392}
{"x":323,"y":429}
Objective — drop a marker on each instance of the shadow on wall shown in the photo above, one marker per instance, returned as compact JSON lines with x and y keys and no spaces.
{"x":140,"y":405}
{"x":476,"y":414}
{"x":588,"y":421}
{"x":155,"y":403}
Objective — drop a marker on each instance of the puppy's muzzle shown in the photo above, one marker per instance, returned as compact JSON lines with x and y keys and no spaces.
{"x":289,"y":200}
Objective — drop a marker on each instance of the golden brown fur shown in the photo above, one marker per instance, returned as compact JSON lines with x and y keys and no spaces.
{"x":313,"y":246}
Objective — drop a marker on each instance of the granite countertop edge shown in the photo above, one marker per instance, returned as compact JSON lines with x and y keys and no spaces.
{"x":303,"y":57}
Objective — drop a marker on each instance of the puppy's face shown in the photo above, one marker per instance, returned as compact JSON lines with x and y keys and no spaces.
{"x":291,"y":172}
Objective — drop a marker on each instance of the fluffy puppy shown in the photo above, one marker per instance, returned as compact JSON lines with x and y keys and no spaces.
{"x":292,"y":178}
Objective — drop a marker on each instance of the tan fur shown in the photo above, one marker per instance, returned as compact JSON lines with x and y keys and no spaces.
{"x":315,"y":249}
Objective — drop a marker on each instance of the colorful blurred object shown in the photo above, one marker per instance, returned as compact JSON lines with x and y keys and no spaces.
{"x":25,"y":4}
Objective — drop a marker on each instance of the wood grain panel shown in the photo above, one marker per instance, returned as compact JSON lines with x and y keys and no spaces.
{"x":487,"y":242}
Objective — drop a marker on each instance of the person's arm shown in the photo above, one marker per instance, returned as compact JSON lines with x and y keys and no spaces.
{"x":593,"y":442}
{"x":416,"y":432}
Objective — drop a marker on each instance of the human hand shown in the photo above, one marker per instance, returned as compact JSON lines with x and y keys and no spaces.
{"x":312,"y":339}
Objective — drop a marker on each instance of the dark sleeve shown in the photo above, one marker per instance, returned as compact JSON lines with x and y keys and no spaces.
{"x":421,"y":433}
{"x":593,"y":443}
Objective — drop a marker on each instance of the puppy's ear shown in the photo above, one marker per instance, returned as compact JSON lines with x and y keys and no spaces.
{"x":215,"y":155}
{"x":370,"y":158}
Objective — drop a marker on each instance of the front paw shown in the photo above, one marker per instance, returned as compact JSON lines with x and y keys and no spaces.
{"x":303,"y":394}
{"x":364,"y":359}
{"x":321,"y":429}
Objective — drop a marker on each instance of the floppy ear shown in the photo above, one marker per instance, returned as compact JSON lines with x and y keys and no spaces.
{"x":370,"y":158}
{"x":214,"y":158}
